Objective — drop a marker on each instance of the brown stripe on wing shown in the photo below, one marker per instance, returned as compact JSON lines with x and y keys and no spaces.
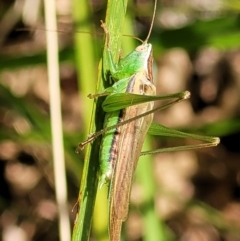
{"x":130,"y":144}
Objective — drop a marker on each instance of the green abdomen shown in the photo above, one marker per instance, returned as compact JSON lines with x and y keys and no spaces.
{"x":109,"y":149}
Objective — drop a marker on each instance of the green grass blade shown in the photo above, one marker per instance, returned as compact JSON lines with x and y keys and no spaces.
{"x":154,"y":228}
{"x":85,"y":65}
{"x":85,"y":60}
{"x":221,"y":33}
{"x":87,"y":195}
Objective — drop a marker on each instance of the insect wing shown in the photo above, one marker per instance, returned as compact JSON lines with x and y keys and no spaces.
{"x":131,"y":139}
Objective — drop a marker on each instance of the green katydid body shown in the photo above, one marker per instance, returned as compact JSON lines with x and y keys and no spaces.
{"x":129,"y":113}
{"x":122,"y":143}
{"x":125,"y":129}
{"x":139,"y":60}
{"x":121,"y":147}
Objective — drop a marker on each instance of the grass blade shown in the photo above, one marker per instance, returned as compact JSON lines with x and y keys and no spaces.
{"x":89,"y":183}
{"x":56,"y":121}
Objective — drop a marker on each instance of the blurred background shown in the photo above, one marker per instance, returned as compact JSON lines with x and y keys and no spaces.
{"x":196,"y":48}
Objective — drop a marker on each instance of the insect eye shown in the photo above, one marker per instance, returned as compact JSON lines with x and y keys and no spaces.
{"x":141,"y":48}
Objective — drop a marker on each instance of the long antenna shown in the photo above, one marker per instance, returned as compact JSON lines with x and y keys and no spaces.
{"x":153,"y":17}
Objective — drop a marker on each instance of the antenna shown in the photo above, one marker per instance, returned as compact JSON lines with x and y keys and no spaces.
{"x":153,"y":17}
{"x":131,"y":36}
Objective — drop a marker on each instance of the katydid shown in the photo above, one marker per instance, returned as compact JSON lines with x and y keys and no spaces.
{"x":129,"y":108}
